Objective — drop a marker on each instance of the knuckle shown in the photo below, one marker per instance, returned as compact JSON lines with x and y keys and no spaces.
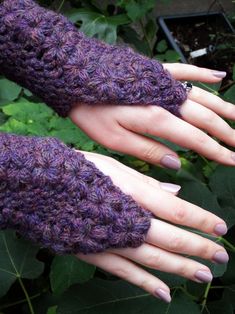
{"x":154,"y":260}
{"x":175,"y":243}
{"x":201,"y":140}
{"x":151,"y":153}
{"x":121,"y":272}
{"x":144,"y":284}
{"x":205,"y":250}
{"x":180,"y":214}
{"x":183,"y":270}
{"x":208,"y":118}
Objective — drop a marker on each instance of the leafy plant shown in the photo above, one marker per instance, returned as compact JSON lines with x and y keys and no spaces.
{"x":32,"y":280}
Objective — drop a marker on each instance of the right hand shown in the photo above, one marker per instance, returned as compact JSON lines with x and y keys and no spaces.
{"x":164,"y":242}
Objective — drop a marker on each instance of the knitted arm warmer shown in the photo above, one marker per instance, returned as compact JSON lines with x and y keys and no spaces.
{"x":44,"y":52}
{"x":53,"y":196}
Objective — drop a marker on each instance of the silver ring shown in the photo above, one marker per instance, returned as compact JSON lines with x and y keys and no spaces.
{"x":187,"y":86}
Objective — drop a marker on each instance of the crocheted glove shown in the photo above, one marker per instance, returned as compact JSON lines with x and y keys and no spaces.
{"x":44,"y":52}
{"x":53,"y":196}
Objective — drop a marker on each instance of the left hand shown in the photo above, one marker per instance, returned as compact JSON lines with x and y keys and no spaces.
{"x":122,"y":128}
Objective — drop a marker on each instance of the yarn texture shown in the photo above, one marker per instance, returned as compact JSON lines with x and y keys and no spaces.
{"x":53,"y":196}
{"x":43,"y":51}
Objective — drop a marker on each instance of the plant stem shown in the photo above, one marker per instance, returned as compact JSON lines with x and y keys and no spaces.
{"x":209,"y":89}
{"x":26,"y":296}
{"x":229,"y":245}
{"x":187,"y":293}
{"x":227,"y":86}
{"x":5,"y":306}
{"x":60,"y":6}
{"x":146,"y":37}
{"x":205,"y":296}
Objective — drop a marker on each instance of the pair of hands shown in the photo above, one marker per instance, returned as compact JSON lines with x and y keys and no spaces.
{"x":122,"y":128}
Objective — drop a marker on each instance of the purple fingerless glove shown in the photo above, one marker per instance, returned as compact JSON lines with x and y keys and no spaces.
{"x":44,"y":52}
{"x":53,"y":196}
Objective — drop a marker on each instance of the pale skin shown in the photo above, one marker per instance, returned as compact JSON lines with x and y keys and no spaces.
{"x":121,"y":128}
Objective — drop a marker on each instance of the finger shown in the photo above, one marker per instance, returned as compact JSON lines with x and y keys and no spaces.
{"x":98,"y":160}
{"x":163,"y":124}
{"x":155,"y":258}
{"x":207,"y":120}
{"x":162,"y":204}
{"x":128,"y":271}
{"x":171,"y":208}
{"x":184,"y":242}
{"x":213,"y":102}
{"x":182,"y":71}
{"x":147,"y":149}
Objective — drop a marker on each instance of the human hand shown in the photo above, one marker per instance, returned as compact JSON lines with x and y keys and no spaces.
{"x":164,"y":242}
{"x":122,"y":128}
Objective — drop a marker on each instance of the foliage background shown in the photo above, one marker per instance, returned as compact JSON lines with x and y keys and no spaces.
{"x":32,"y":280}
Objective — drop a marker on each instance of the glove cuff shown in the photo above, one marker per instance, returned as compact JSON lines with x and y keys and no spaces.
{"x":44,"y":52}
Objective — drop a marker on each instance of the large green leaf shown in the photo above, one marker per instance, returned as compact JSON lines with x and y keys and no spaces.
{"x":229,"y":95}
{"x":68,"y":270}
{"x":17,"y":260}
{"x":117,"y":297}
{"x":222,"y":183}
{"x":98,"y":25}
{"x":137,"y":8}
{"x":8,"y":91}
{"x":26,"y":110}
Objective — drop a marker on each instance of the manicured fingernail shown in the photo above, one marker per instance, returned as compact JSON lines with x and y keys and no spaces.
{"x":221,"y":257}
{"x":170,"y":161}
{"x":169,"y":187}
{"x":203,"y":276}
{"x":220,"y":229}
{"x":220,"y":74}
{"x":163,"y":294}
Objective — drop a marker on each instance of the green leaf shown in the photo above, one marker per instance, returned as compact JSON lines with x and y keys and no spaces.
{"x":25,"y":110}
{"x":218,"y":307}
{"x":229,"y":95}
{"x":98,"y":25}
{"x":162,"y":46}
{"x":198,"y":193}
{"x":14,"y":126}
{"x":69,"y":133}
{"x":137,"y":8}
{"x":172,"y":56}
{"x":222,"y":183}
{"x":52,"y":309}
{"x":68,"y":270}
{"x":229,"y":276}
{"x":130,"y":36}
{"x":229,"y":295}
{"x":117,"y":297}
{"x":17,"y":260}
{"x":150,"y":31}
{"x":9,"y":91}
{"x":234,"y":72}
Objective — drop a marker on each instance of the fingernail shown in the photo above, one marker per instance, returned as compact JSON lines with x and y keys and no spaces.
{"x":221,"y":257}
{"x":220,"y":229}
{"x":163,"y":294}
{"x":169,"y":187}
{"x":220,"y":74}
{"x":170,"y":161}
{"x":203,"y":276}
